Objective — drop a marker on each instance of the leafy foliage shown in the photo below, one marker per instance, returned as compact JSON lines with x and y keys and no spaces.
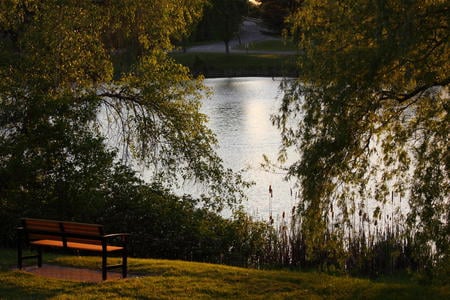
{"x":59,"y":82}
{"x":369,"y":114}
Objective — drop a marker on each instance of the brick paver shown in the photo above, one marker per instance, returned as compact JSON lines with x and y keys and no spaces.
{"x":69,"y":273}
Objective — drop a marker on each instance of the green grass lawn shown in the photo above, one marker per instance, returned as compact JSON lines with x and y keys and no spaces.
{"x":238,"y":64}
{"x":165,"y":279}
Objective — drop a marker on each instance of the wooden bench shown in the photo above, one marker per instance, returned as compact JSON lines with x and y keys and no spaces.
{"x":39,"y":234}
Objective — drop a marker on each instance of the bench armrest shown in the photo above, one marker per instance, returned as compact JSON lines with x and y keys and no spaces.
{"x":123,"y":236}
{"x":116,"y":235}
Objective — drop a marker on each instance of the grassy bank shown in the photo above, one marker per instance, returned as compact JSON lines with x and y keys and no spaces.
{"x":269,"y":45}
{"x":238,"y":64}
{"x":163,"y":279}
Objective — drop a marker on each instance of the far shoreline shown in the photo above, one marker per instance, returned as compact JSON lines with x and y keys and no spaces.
{"x":222,"y":65}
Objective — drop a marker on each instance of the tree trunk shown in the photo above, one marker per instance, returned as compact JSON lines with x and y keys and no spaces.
{"x":227,"y":46}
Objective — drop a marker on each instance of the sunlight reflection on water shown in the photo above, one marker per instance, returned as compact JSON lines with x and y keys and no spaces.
{"x":239,"y":112}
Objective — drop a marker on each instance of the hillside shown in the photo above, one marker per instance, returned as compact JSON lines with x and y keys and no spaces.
{"x":163,"y":279}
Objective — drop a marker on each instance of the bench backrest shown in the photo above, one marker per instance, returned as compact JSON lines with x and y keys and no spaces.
{"x":39,"y":229}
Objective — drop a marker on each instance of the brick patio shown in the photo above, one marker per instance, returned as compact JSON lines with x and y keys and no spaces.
{"x":69,"y":273}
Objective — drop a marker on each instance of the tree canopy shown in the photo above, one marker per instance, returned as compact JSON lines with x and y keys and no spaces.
{"x":369,"y":113}
{"x":64,"y":100}
{"x":275,"y":12}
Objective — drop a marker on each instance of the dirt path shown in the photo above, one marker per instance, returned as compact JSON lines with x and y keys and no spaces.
{"x":251,"y":31}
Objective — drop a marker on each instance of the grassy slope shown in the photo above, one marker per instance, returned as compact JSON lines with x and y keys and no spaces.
{"x":163,"y":279}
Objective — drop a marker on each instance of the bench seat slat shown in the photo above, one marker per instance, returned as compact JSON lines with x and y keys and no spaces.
{"x":78,"y":246}
{"x":91,"y":247}
{"x":49,"y":243}
{"x":84,"y":241}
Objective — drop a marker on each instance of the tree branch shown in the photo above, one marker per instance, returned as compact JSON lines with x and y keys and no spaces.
{"x":120,"y":96}
{"x":400,"y":98}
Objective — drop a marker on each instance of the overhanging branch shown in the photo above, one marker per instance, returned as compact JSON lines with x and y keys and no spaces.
{"x":400,"y":98}
{"x":120,"y":96}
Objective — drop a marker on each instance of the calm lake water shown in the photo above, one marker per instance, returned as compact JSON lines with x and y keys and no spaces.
{"x":239,"y":112}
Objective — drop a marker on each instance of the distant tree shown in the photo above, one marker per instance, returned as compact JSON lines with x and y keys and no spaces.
{"x":222,"y":20}
{"x":275,"y":12}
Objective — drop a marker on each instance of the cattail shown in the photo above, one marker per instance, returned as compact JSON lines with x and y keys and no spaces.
{"x":270,"y":200}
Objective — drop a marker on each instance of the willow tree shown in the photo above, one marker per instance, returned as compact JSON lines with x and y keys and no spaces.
{"x":60,"y":61}
{"x":369,"y":113}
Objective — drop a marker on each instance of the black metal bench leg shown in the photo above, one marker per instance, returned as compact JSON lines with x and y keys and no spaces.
{"x":19,"y":254}
{"x":19,"y":247}
{"x":39,"y":257}
{"x":104,"y":269}
{"x":124,"y":264}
